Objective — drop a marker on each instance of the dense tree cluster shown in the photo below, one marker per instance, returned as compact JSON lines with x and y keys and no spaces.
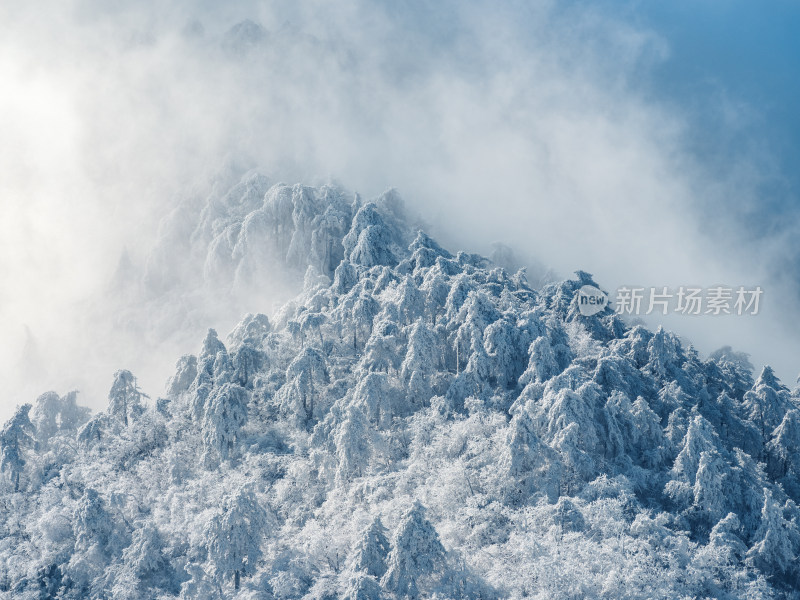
{"x":415,"y":424}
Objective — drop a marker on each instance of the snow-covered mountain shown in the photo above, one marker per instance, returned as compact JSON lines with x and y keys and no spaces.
{"x":414,"y":424}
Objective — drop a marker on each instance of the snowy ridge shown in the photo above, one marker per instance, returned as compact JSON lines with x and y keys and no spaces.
{"x":415,"y":424}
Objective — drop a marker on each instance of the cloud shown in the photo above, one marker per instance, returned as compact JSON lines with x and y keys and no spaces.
{"x":529,"y":123}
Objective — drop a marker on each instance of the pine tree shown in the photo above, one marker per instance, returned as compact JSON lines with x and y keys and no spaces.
{"x":422,"y":353}
{"x":502,"y":345}
{"x":353,"y":448}
{"x":736,"y":369}
{"x":345,"y":277}
{"x":185,"y":374}
{"x":125,"y":399}
{"x":145,"y":568}
{"x":233,"y":536}
{"x":365,"y":309}
{"x":311,"y":326}
{"x":765,"y":405}
{"x":459,"y":292}
{"x":363,"y":587}
{"x":417,"y":558}
{"x":223,"y":421}
{"x":379,"y":400}
{"x":44,"y":415}
{"x":369,"y":241}
{"x":248,"y":361}
{"x":712,"y":487}
{"x":410,"y":300}
{"x":52,"y":414}
{"x":380,"y":353}
{"x":532,"y":466}
{"x":251,"y":331}
{"x":305,"y":379}
{"x":199,"y":584}
{"x":777,"y":542}
{"x":93,"y":525}
{"x":725,"y":536}
{"x":724,"y":554}
{"x":699,"y":438}
{"x":15,"y":437}
{"x":372,"y":550}
{"x":647,"y":441}
{"x":211,"y":356}
{"x":567,"y":421}
{"x":93,"y":431}
{"x":666,"y":355}
{"x":784,"y":451}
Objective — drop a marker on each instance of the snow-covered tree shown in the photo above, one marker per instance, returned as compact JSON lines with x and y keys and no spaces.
{"x":252,"y":331}
{"x":93,"y":430}
{"x":345,"y":277}
{"x":306,"y":377}
{"x":542,"y":364}
{"x":71,"y":416}
{"x":712,"y":487}
{"x":777,"y":542}
{"x":699,"y":438}
{"x":125,"y":398}
{"x":15,"y":437}
{"x":199,"y":584}
{"x":369,"y":241}
{"x":363,"y":587}
{"x":533,"y":467}
{"x":566,"y":420}
{"x":353,"y":447}
{"x":724,"y":555}
{"x":765,"y":405}
{"x":365,"y":308}
{"x":410,"y":300}
{"x":423,"y":351}
{"x":379,"y":399}
{"x":417,"y":558}
{"x":247,"y":361}
{"x":503,"y":346}
{"x":145,"y":571}
{"x":372,"y":550}
{"x":235,"y":534}
{"x":380,"y":353}
{"x":784,"y":452}
{"x":213,"y":356}
{"x":311,"y":326}
{"x":666,"y":356}
{"x":44,"y":415}
{"x":223,"y":421}
{"x":95,"y":531}
{"x":185,"y":374}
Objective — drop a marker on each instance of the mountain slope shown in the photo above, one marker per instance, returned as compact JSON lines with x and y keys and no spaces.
{"x":415,"y":423}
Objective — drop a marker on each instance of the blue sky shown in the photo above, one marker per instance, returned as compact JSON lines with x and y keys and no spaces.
{"x":740,"y":56}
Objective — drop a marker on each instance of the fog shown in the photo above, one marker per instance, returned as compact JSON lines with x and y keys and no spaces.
{"x":533,"y":124}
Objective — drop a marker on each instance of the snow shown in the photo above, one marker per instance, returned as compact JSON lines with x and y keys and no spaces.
{"x":416,"y":423}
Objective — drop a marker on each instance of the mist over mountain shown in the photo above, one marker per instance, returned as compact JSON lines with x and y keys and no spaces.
{"x":539,"y":125}
{"x":415,"y":422}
